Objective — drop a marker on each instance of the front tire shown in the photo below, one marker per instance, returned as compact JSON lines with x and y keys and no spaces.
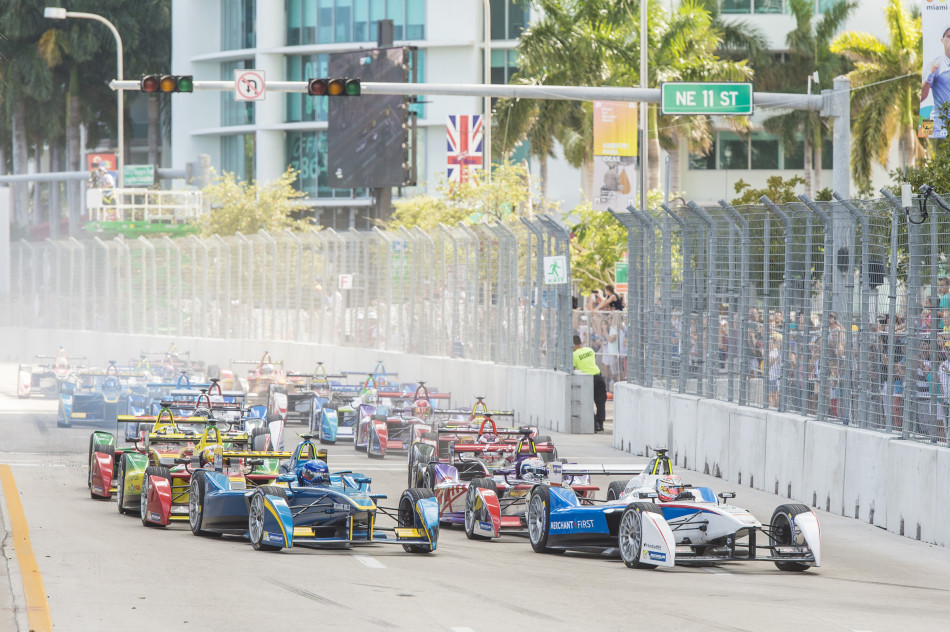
{"x":408,"y":518}
{"x":783,"y":533}
{"x":151,"y":470}
{"x":470,"y":497}
{"x":255,"y":518}
{"x":120,"y":486}
{"x":196,"y":502}
{"x":630,"y":534}
{"x":539,"y":519}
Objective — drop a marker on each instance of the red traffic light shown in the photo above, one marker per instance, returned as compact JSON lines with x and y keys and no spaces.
{"x":149,"y":83}
{"x":317,"y":87}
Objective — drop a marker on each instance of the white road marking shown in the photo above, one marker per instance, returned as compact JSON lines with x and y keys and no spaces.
{"x":462,"y":630}
{"x":368,"y":561}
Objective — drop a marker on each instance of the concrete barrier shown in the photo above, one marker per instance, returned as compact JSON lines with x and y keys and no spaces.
{"x":912,"y":489}
{"x":784,"y":455}
{"x":539,"y":397}
{"x":867,"y":475}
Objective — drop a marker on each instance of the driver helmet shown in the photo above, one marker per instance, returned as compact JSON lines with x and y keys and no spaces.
{"x":669,"y":487}
{"x":421,"y":408}
{"x":370,"y":396}
{"x":208,"y":454}
{"x":487,"y":438}
{"x":313,"y":472}
{"x":267,"y":369}
{"x":532,"y":469}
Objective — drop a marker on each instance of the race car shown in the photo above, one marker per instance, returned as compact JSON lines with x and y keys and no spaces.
{"x":339,"y":510}
{"x":341,"y":424}
{"x":467,"y":462}
{"x":259,"y":379}
{"x":44,"y":379}
{"x":95,"y":397}
{"x":497,"y":504}
{"x":156,"y":482}
{"x":708,"y":530}
{"x":395,"y":429}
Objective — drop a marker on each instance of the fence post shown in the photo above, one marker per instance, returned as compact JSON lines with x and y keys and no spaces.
{"x":634,"y":350}
{"x":745,"y":244}
{"x":561,"y":324}
{"x":863,"y":331}
{"x":826,"y":276}
{"x":646,"y":312}
{"x":786,"y":275}
{"x":148,"y":272}
{"x":687,"y":303}
{"x":712,"y":303}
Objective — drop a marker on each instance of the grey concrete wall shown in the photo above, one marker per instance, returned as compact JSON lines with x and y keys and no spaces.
{"x":870,"y":476}
{"x":539,"y":397}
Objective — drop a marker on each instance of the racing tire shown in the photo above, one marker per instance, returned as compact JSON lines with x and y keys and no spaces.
{"x":120,"y":486}
{"x":429,"y":477}
{"x":615,"y":490}
{"x":630,"y":534}
{"x":255,"y":516}
{"x":89,"y":463}
{"x":483,"y":483}
{"x":259,"y":439}
{"x":102,"y":449}
{"x":196,"y":503}
{"x":61,"y":420}
{"x":547,"y":457}
{"x":407,"y":516}
{"x":780,"y":534}
{"x":151,"y":470}
{"x":538,"y":516}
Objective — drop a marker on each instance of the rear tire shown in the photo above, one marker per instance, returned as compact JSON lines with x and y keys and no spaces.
{"x":483,"y":483}
{"x":256,"y":517}
{"x":151,"y":470}
{"x":615,"y":490}
{"x":196,"y":502}
{"x":259,"y":438}
{"x":782,"y":534}
{"x":408,"y":518}
{"x":120,"y":486}
{"x":630,"y":534}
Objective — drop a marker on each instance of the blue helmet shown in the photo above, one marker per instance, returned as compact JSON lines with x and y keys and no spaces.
{"x":313,"y":472}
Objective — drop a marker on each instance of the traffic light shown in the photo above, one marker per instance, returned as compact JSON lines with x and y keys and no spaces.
{"x":333,"y":87}
{"x":167,"y":83}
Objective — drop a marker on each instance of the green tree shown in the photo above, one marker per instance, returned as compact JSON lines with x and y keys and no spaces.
{"x":809,"y":51}
{"x":247,"y":207}
{"x":778,"y":189}
{"x":886,"y":84}
{"x":509,"y":194}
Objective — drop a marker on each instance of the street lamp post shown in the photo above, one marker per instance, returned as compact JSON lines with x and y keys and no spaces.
{"x":486,"y":152}
{"x":57,"y":13}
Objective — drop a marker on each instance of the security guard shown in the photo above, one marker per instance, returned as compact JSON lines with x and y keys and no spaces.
{"x":585,"y":363}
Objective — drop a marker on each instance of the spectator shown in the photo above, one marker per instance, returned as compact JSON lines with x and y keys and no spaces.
{"x":584,"y":362}
{"x":611,"y":299}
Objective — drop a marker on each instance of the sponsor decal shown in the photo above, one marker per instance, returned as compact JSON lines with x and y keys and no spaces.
{"x":655,"y":547}
{"x":485,"y":526}
{"x":656,"y":557}
{"x":154,"y":517}
{"x":273,"y":537}
{"x":339,"y":507}
{"x":567,"y":525}
{"x":179,"y":509}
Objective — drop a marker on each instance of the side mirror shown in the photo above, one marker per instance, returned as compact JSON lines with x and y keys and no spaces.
{"x":286,"y":478}
{"x":727,"y":495}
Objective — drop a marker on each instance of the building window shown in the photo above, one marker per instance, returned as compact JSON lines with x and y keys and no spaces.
{"x":237,"y":24}
{"x":235,"y":112}
{"x":765,"y":151}
{"x":793,"y":154}
{"x":342,"y":21}
{"x":508,"y":19}
{"x":733,"y":151}
{"x":237,"y":155}
{"x":769,"y":7}
{"x":504,"y":63}
{"x":737,"y":6}
{"x":703,"y":162}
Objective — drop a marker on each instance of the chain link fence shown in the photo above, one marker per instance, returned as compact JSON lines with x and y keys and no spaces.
{"x":836,"y":310}
{"x":475,"y":292}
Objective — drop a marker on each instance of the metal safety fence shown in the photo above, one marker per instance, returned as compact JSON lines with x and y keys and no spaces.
{"x":474,"y":292}
{"x":836,"y":310}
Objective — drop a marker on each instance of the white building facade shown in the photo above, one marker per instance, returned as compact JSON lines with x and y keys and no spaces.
{"x":291,"y":40}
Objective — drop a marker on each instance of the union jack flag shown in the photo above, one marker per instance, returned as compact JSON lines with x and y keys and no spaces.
{"x":464,"y":145}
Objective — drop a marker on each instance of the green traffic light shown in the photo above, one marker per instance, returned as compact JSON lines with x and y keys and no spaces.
{"x":185,"y":84}
{"x":352,"y":88}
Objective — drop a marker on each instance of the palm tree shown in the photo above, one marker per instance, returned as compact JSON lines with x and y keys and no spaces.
{"x":886,"y":90}
{"x":809,"y":51}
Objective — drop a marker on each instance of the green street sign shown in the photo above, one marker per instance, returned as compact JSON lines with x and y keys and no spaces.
{"x":722,"y":98}
{"x":139,"y":175}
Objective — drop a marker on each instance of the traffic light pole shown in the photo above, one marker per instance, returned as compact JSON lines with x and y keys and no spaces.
{"x":830,"y":103}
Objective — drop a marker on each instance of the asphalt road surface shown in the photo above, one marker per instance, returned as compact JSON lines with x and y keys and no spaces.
{"x":99,"y":569}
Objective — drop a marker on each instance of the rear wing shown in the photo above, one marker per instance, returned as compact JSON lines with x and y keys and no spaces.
{"x":151,"y":419}
{"x":556,"y":471}
{"x":501,"y":447}
{"x":257,"y":454}
{"x":411,"y":394}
